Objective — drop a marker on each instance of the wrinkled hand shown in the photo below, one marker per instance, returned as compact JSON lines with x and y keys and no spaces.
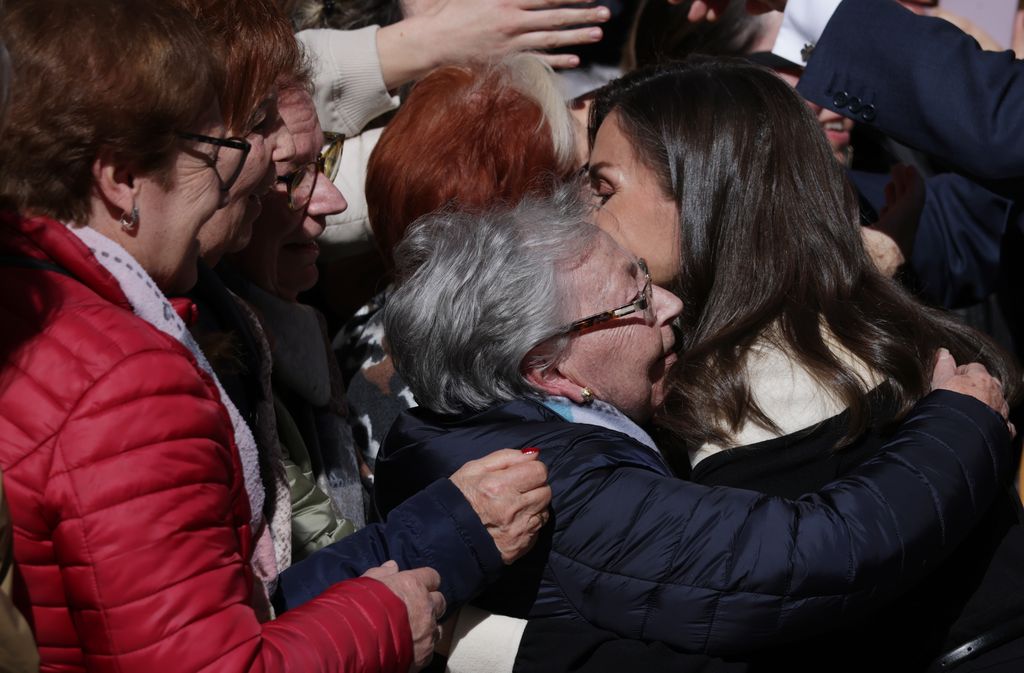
{"x":508,"y":490}
{"x":971,"y":379}
{"x":710,"y":10}
{"x":489,"y":29}
{"x":423,"y":602}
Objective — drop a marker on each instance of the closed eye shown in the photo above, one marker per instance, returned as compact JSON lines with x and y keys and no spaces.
{"x":601,"y":189}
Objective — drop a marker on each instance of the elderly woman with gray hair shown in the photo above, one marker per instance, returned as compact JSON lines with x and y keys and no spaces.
{"x":530,"y":328}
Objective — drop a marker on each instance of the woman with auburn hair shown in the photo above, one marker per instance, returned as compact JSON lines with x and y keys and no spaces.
{"x":129,"y":494}
{"x":797,"y":356}
{"x":257,"y":53}
{"x":468,"y":137}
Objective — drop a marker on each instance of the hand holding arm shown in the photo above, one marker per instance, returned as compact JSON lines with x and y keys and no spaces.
{"x":418,"y":590}
{"x":508,"y":490}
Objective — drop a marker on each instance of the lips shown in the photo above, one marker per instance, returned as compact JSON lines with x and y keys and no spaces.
{"x":307,"y":250}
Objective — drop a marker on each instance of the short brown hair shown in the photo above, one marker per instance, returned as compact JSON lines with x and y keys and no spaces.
{"x":90,"y":74}
{"x":255,"y":48}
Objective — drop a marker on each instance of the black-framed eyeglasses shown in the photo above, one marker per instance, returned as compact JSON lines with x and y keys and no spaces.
{"x":228,"y":168}
{"x":302,"y":181}
{"x":642,"y":302}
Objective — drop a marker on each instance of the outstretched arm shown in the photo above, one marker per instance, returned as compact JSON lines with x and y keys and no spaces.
{"x":354,"y":70}
{"x":716,"y":570}
{"x":466,"y":527}
{"x":878,"y":63}
{"x":442,"y":32}
{"x":876,"y":53}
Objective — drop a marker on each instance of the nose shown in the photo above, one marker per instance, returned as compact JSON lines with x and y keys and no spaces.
{"x":326,"y":199}
{"x":667,"y":305}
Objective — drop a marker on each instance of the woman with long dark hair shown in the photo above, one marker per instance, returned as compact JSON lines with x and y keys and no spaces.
{"x":797,"y":356}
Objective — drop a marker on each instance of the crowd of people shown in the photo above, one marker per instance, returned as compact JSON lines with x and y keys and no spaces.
{"x":380,"y":335}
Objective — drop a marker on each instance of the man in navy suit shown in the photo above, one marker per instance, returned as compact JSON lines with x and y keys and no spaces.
{"x":924,"y":82}
{"x":919,"y":79}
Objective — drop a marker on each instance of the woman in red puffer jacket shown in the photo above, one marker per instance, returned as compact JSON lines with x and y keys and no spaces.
{"x":120,"y":453}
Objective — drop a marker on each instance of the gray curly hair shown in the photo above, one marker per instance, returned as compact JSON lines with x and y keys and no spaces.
{"x":475,"y":294}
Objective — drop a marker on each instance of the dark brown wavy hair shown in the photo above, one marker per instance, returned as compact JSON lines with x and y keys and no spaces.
{"x":94,"y":74}
{"x":771,"y":248}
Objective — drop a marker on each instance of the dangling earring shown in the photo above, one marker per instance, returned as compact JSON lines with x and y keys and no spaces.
{"x":587,"y":396}
{"x":130,"y":221}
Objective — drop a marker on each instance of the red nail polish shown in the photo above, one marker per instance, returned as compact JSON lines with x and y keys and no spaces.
{"x":530,"y":450}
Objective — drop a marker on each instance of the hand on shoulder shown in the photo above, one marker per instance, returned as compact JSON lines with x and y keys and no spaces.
{"x":971,"y":379}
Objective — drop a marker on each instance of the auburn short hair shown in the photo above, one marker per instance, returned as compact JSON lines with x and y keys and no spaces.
{"x":468,"y":137}
{"x":255,"y":49}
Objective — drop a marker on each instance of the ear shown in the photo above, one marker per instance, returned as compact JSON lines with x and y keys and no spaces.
{"x":115,"y":182}
{"x":553,"y":381}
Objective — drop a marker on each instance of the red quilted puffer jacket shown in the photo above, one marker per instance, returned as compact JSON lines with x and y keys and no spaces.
{"x":126,"y":492}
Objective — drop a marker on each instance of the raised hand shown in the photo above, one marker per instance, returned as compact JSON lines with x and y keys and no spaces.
{"x":487,"y":29}
{"x":508,"y":490}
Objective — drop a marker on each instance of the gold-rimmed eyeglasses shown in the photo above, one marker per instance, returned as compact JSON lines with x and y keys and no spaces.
{"x":642,"y":302}
{"x":302,"y":181}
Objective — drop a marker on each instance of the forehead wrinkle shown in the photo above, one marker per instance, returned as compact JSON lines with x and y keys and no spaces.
{"x":299,"y":115}
{"x":594,"y":278}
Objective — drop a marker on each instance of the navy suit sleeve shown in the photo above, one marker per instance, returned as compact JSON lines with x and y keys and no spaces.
{"x":717,"y":570}
{"x":924,"y":82}
{"x":959,"y":240}
{"x":437,"y":528}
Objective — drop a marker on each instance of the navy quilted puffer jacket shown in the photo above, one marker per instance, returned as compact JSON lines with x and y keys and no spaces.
{"x":636,"y":551}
